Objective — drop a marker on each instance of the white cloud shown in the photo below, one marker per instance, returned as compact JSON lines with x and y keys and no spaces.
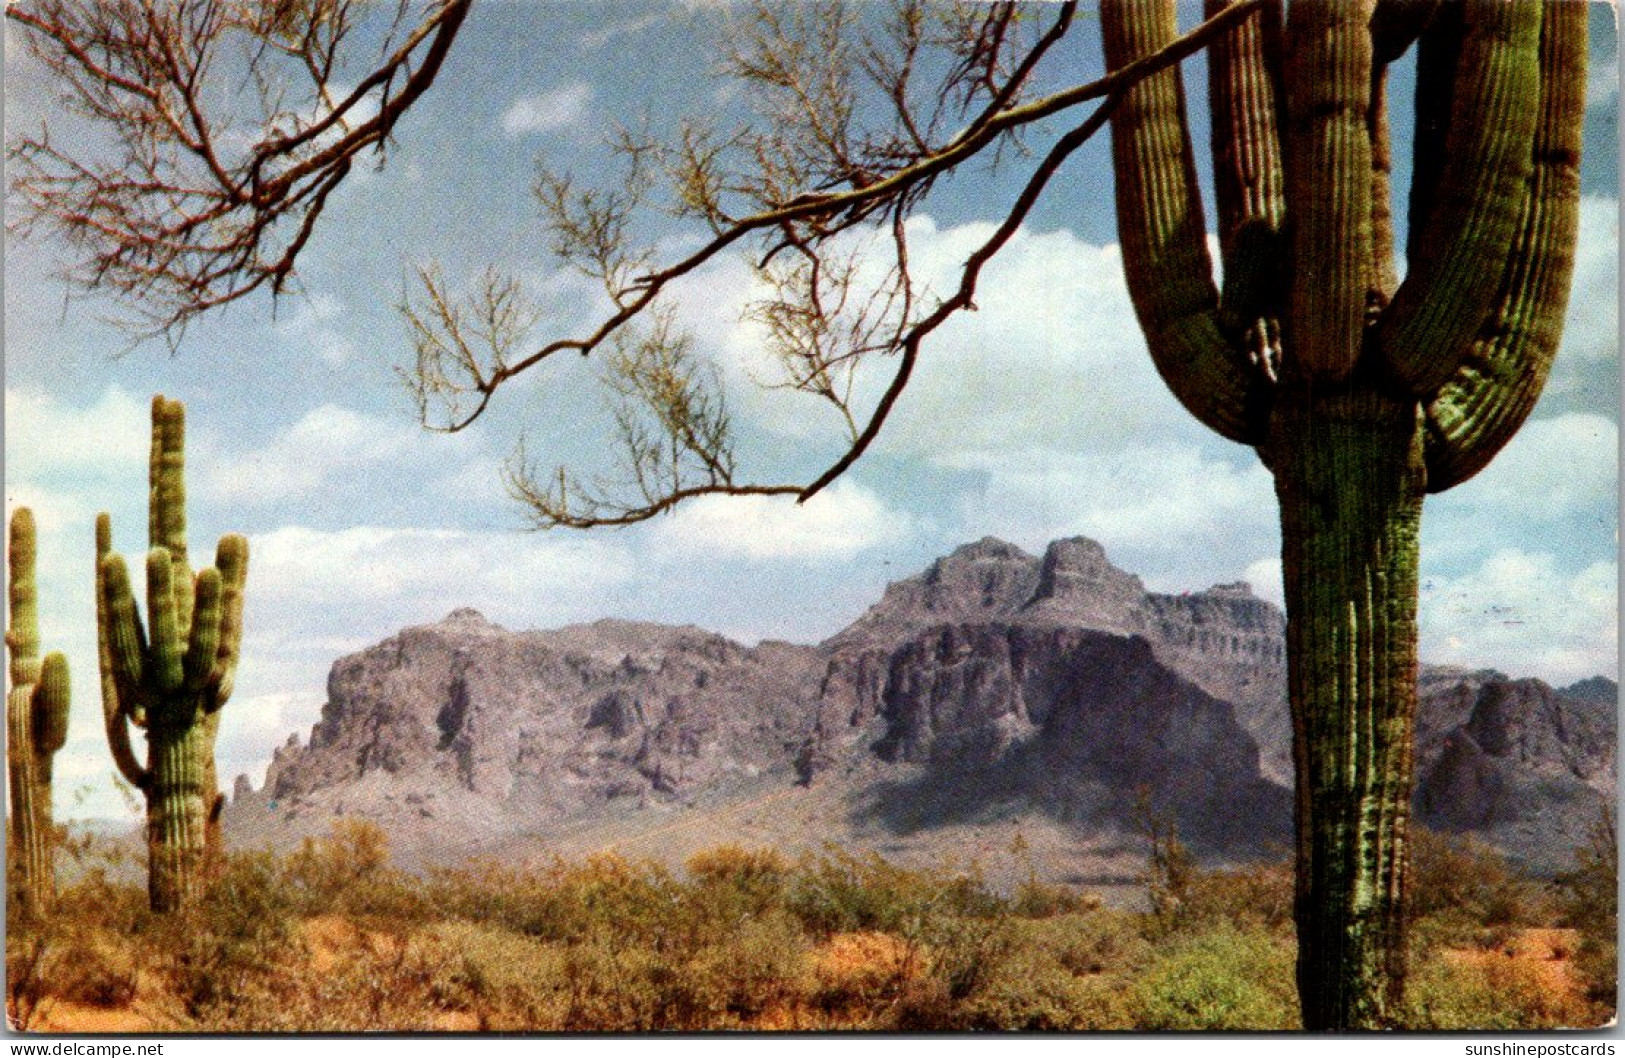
{"x":1602,"y":78}
{"x":316,"y":324}
{"x":595,"y":39}
{"x":548,"y":111}
{"x":1519,"y":612}
{"x":1264,"y":577}
{"x":1552,"y":469}
{"x":839,"y":522}
{"x":324,"y":445}
{"x":370,"y":580}
{"x":44,"y":433}
{"x":1175,"y":514}
{"x":1591,"y":326}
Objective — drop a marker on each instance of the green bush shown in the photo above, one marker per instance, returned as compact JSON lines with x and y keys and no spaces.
{"x":1003,"y":974}
{"x":1100,"y":942}
{"x":1463,"y":881}
{"x":839,"y":892}
{"x":1224,"y":980}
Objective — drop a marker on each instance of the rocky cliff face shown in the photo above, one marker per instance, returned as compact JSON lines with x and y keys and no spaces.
{"x":995,"y":686}
{"x":1519,"y":764}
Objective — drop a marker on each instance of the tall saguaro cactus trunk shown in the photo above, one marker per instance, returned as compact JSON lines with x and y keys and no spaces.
{"x":173,"y":676}
{"x":1360,"y":393}
{"x":1349,"y":476}
{"x":36,"y":727}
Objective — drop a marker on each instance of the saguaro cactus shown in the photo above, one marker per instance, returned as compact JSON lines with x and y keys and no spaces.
{"x":172,"y":677}
{"x":36,"y":727}
{"x":1360,"y":393}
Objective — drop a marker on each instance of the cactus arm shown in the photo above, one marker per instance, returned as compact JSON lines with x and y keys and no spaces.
{"x":114,"y":719}
{"x":1382,"y":278}
{"x":118,"y":742}
{"x":166,"y":643}
{"x":204,"y":642}
{"x":231,"y":558}
{"x":126,"y":640}
{"x":167,"y":502}
{"x":1500,"y":378}
{"x":1160,"y":226}
{"x":1328,"y":187}
{"x":1475,"y":205}
{"x":22,"y":634}
{"x":1243,"y":87}
{"x":50,"y":704}
{"x":1395,"y":26}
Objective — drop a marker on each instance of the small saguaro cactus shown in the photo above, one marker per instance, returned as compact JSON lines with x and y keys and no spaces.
{"x":37,"y":726}
{"x":173,"y":676}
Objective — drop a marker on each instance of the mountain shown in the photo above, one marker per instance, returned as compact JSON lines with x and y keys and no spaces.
{"x":995,"y":693}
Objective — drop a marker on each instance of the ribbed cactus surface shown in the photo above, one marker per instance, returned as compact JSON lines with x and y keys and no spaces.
{"x":172,"y":675}
{"x":36,"y":727}
{"x":1360,"y":393}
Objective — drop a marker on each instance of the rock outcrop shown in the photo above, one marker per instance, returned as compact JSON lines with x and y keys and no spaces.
{"x":994,"y":687}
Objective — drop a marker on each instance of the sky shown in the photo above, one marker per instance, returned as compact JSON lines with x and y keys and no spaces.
{"x":1037,"y":417}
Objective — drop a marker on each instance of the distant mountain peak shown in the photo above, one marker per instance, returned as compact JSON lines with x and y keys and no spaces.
{"x":992,"y":688}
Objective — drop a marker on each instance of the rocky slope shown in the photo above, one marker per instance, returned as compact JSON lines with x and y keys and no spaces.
{"x":993,"y":692}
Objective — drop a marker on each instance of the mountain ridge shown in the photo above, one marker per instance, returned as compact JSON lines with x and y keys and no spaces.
{"x":993,"y":690}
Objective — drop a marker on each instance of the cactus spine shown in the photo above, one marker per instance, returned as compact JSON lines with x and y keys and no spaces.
{"x":172,"y":676}
{"x":1360,"y":393}
{"x":36,"y":727}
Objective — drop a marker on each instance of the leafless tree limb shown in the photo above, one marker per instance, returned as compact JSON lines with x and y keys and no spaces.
{"x":847,"y":143}
{"x":188,"y":213}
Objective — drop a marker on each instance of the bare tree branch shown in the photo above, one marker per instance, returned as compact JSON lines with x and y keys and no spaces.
{"x":822,"y":314}
{"x":847,"y":144}
{"x":191,"y":214}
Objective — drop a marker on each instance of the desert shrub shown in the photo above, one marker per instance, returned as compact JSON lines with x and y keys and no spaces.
{"x":759,"y":876}
{"x":1226,"y":979}
{"x":629,"y":988}
{"x":97,"y":970}
{"x":856,"y":976}
{"x":374,"y":984}
{"x":1257,"y":897}
{"x":1588,"y":898}
{"x":610,"y":898}
{"x":30,"y":962}
{"x":605,"y":897}
{"x":1030,"y":990}
{"x":755,"y":968}
{"x":511,"y":982}
{"x":241,"y":932}
{"x":348,"y":872}
{"x":80,"y":953}
{"x":839,"y":892}
{"x":1036,"y":899}
{"x":497,"y":895}
{"x":1486,"y":990}
{"x":94,"y":901}
{"x":1465,"y":894}
{"x":1100,"y":942}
